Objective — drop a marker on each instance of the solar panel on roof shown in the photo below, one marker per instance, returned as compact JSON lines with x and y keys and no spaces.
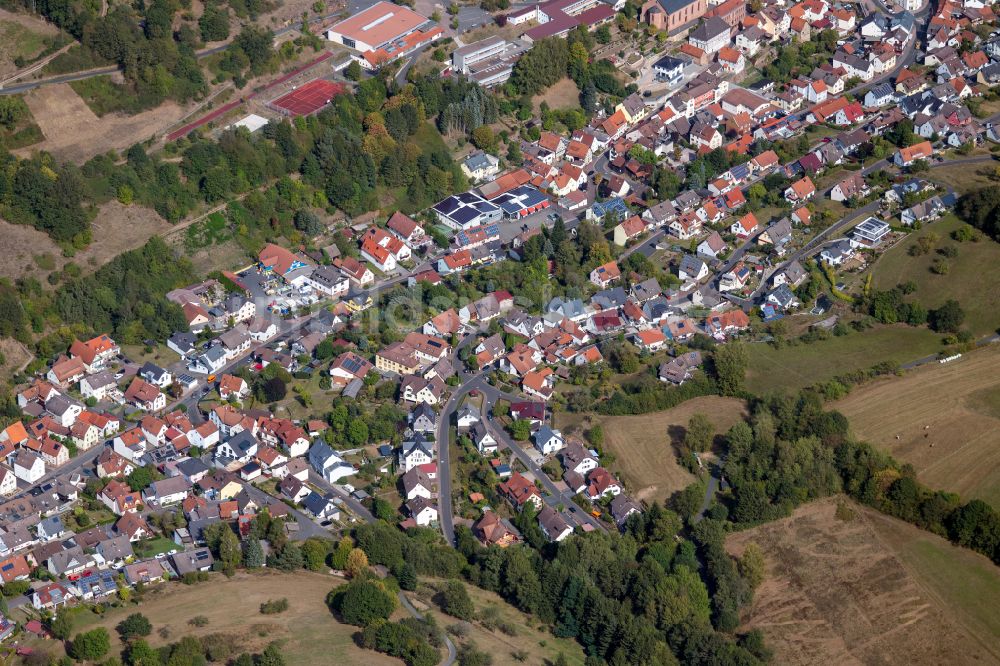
{"x":464,"y":215}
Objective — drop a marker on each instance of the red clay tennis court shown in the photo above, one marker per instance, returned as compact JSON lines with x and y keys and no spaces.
{"x":308,"y":98}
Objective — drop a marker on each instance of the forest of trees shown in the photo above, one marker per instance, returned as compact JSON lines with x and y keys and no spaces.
{"x":981,"y":209}
{"x":639,"y":598}
{"x":793,"y":451}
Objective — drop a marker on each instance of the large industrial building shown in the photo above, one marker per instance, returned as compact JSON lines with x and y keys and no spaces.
{"x":382,"y":33}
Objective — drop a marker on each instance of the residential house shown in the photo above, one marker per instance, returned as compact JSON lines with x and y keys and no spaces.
{"x":680,"y":369}
{"x":416,"y":483}
{"x":143,"y":395}
{"x":94,"y":353}
{"x":853,"y":186}
{"x":548,"y":440}
{"x":28,"y":467}
{"x":627,"y":231}
{"x":801,"y":190}
{"x":711,"y":35}
{"x":553,"y":525}
{"x":482,"y":439}
{"x":538,"y":383}
{"x":793,"y":275}
{"x":623,"y":506}
{"x":100,"y":386}
{"x":692,"y":269}
{"x":925,"y":211}
{"x":233,"y":387}
{"x":422,"y":511}
{"x":66,"y":371}
{"x":168,"y":491}
{"x":518,"y":490}
{"x":349,"y":366}
{"x":145,"y":572}
{"x":577,"y":458}
{"x":415,"y":451}
{"x":838,"y":252}
{"x":422,"y":419}
{"x":192,"y":561}
{"x":416,"y":389}
{"x":777,"y":234}
{"x":870,"y":232}
{"x":601,"y":483}
{"x":119,"y":497}
{"x":156,"y":375}
{"x":745,"y":227}
{"x":905,"y":157}
{"x":491,"y":530}
{"x":712,"y":246}
{"x":604,"y":276}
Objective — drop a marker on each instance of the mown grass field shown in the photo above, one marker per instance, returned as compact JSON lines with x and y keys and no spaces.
{"x":309,"y":632}
{"x":792,"y":368}
{"x":864,"y":588}
{"x":645,"y":458}
{"x":976,"y":267}
{"x":942,"y":419}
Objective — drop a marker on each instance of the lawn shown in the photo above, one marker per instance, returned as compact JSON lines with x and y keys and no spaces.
{"x":956,"y":445}
{"x":563,"y":94}
{"x":152,"y":547}
{"x":161,"y":355}
{"x":793,"y":368}
{"x":308,"y":630}
{"x":965,"y":177}
{"x":856,"y":587}
{"x":643,"y":445}
{"x":976,"y":265}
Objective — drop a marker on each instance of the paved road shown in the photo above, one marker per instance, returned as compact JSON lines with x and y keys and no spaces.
{"x":816,"y":243}
{"x":556,"y":496}
{"x":351,"y":503}
{"x":446,"y":513}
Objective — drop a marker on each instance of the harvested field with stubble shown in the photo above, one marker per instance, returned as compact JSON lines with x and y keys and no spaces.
{"x":643,"y":448}
{"x":944,"y":419}
{"x":74,"y":133}
{"x":869,"y":589}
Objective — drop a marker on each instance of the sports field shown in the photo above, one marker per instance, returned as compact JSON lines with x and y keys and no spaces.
{"x":942,"y":419}
{"x":863,"y":588}
{"x":308,"y":98}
